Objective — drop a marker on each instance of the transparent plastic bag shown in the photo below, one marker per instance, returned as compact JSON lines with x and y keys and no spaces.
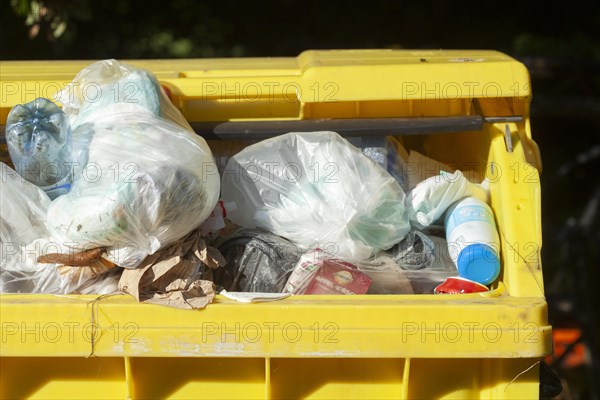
{"x":109,"y":87}
{"x":415,"y":252}
{"x":97,"y":277}
{"x":24,"y":237}
{"x":388,"y":152}
{"x":23,"y":209}
{"x":387,"y":280}
{"x":148,"y":179}
{"x":316,"y":190}
{"x":387,"y":275}
{"x":22,"y":212}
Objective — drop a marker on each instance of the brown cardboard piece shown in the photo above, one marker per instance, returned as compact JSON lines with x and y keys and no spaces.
{"x":423,"y":167}
{"x":169,"y":277}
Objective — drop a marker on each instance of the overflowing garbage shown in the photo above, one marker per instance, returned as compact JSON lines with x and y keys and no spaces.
{"x":119,"y":195}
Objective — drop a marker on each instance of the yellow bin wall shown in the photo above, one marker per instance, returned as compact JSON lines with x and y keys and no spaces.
{"x":374,"y":346}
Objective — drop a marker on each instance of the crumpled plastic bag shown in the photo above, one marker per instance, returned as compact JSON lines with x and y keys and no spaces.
{"x":387,"y":276}
{"x":415,"y":252}
{"x":110,"y":87}
{"x":23,"y":208}
{"x":24,"y":237}
{"x":147,"y":179}
{"x":430,"y":199}
{"x":316,"y":190}
{"x":257,"y":261}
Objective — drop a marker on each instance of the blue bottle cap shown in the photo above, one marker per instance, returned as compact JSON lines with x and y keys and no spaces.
{"x":479,"y":262}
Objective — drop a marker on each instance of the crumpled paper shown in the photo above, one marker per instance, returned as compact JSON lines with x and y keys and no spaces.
{"x":172,"y":276}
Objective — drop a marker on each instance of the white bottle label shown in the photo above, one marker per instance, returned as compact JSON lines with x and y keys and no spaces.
{"x":470,"y":222}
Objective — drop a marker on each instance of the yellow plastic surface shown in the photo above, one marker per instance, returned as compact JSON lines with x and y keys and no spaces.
{"x":376,"y":346}
{"x":316,"y":84}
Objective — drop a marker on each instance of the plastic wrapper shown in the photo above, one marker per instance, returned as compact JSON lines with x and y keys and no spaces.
{"x":416,"y":265}
{"x":316,"y":190}
{"x":442,"y":260}
{"x":415,"y":252}
{"x":304,"y":270}
{"x":374,"y":147}
{"x":386,"y":151}
{"x":22,"y":215}
{"x":386,"y":275}
{"x":335,"y":277}
{"x":257,"y":261}
{"x":147,"y":179}
{"x":320,"y":272}
{"x":430,"y":199}
{"x":389,"y":277}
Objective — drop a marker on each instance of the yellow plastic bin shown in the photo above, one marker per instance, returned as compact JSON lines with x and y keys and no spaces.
{"x":370,"y":346}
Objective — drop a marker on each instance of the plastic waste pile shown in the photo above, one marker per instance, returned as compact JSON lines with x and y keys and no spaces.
{"x":149,"y":180}
{"x":139,"y":178}
{"x":123,"y":182}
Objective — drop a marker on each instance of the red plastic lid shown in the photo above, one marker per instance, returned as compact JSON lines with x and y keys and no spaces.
{"x":458,"y":285}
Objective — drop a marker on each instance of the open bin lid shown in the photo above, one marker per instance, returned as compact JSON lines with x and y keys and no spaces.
{"x":255,"y":90}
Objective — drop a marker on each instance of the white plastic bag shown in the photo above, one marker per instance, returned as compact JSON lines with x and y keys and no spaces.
{"x":317,"y":190}
{"x":110,"y":87}
{"x":23,"y":209}
{"x":148,"y":178}
{"x":431,"y":197}
{"x":24,"y":237}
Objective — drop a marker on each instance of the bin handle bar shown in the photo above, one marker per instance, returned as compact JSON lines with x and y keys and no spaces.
{"x":495,"y":120}
{"x":347,"y":127}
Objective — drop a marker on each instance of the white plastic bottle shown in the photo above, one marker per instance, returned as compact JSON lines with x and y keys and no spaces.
{"x":473,"y":240}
